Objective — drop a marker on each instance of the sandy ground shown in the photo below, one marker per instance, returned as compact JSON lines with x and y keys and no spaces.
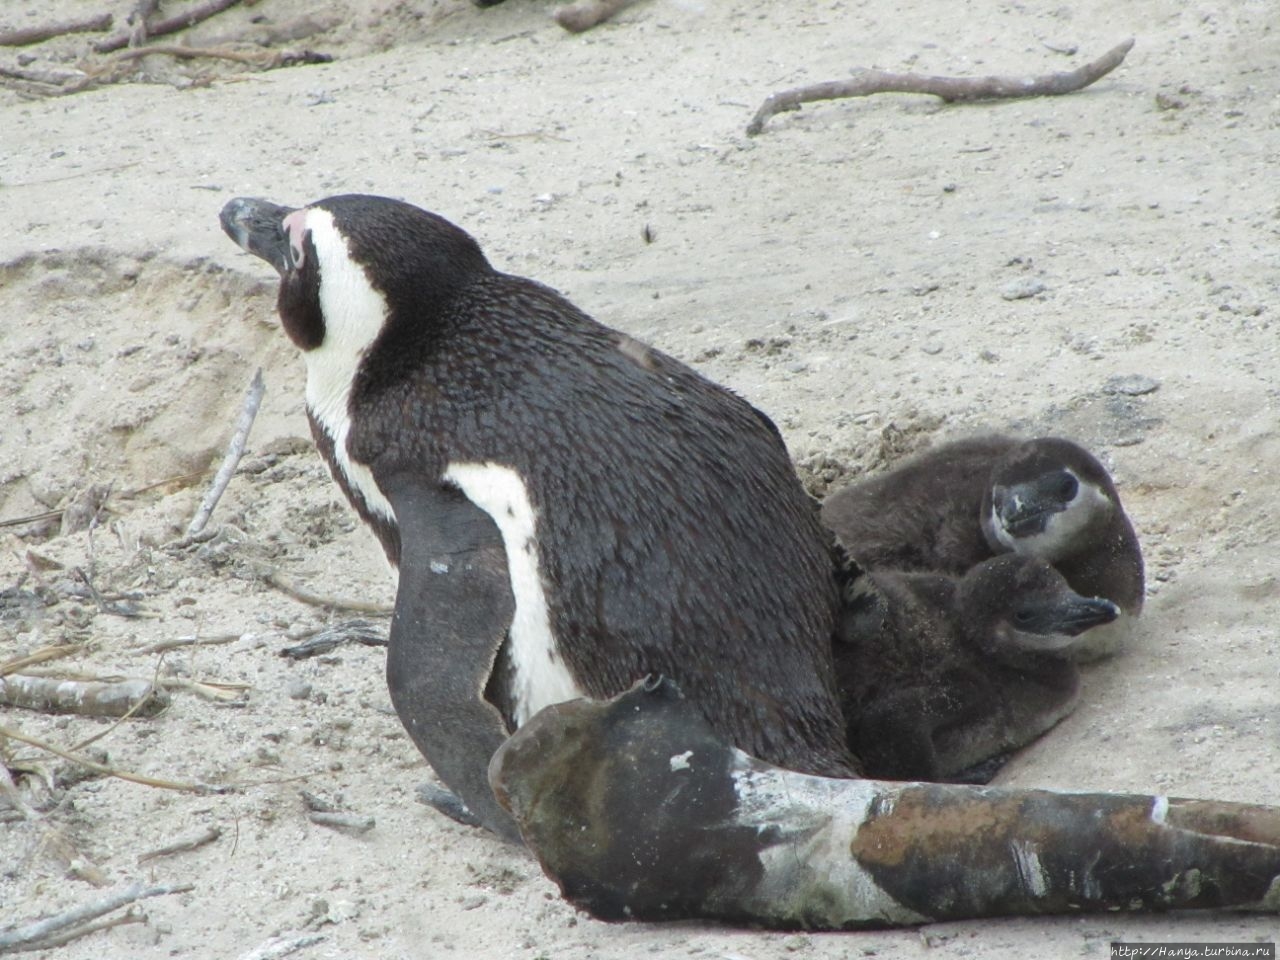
{"x":846,"y":271}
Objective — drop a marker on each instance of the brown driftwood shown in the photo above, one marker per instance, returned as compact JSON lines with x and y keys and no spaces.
{"x":864,"y":82}
{"x":577,"y":17}
{"x":29,"y":35}
{"x":87,"y":698}
{"x":179,"y":21}
{"x":640,"y":811}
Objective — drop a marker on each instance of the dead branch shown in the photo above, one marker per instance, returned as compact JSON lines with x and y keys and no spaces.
{"x":33,"y":935}
{"x":285,"y":584}
{"x":50,"y":78}
{"x":267,"y":59}
{"x":352,"y":631}
{"x":235,"y":449}
{"x":323,"y":813}
{"x":131,"y":915}
{"x":179,"y":21}
{"x":166,"y":645}
{"x":85,"y":698}
{"x":280,"y":946}
{"x":197,"y":788}
{"x":29,"y":35}
{"x":949,"y":89}
{"x":342,"y":821}
{"x":207,"y":835}
{"x":128,"y":609}
{"x":585,"y":14}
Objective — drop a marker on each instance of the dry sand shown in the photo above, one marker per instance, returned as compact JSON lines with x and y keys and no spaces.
{"x":844,"y":271}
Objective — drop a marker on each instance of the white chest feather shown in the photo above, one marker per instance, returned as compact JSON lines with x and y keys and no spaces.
{"x":354,"y":313}
{"x":1066,"y":532}
{"x":540,"y":675}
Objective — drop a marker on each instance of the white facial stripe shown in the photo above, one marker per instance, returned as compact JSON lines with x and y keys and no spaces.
{"x":1062,"y":531}
{"x":353,"y":316}
{"x":541,"y":677}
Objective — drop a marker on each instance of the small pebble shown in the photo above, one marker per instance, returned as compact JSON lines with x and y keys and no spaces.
{"x":1130,"y":385}
{"x":298,"y":689}
{"x":933,"y":349}
{"x":1022,"y":288}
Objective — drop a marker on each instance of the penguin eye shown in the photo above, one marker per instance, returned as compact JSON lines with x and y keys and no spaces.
{"x":1066,"y":487}
{"x":1023,"y":616}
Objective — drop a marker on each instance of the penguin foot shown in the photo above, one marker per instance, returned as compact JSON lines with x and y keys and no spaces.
{"x":983,"y":772}
{"x":442,"y":800}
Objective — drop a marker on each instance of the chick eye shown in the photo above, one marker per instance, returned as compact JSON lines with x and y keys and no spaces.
{"x":1066,"y":487}
{"x":1023,"y":617}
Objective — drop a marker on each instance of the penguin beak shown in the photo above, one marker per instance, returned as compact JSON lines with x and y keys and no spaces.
{"x":1024,"y":509}
{"x":257,"y":226}
{"x":1068,"y":617}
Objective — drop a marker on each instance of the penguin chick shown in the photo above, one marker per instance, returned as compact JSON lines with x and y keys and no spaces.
{"x":965,"y":501}
{"x":941,"y":675}
{"x":567,"y":508}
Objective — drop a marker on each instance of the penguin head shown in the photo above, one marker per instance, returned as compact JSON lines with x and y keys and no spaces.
{"x":1019,"y":604}
{"x":353,"y":265}
{"x":1048,"y":498}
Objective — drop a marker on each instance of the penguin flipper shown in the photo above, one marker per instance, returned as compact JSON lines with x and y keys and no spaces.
{"x":453,"y":607}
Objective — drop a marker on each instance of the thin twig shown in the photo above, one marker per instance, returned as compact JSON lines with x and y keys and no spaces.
{"x":43,"y":655}
{"x":585,"y":14}
{"x":166,"y":645}
{"x":285,"y":584}
{"x":199,"y":788}
{"x":329,"y":638}
{"x":57,"y":514}
{"x":29,"y":35}
{"x":180,"y":21}
{"x":207,"y":835}
{"x":29,"y":936}
{"x":950,"y":89}
{"x":235,"y":450}
{"x":210,"y":690}
{"x":33,"y":518}
{"x":10,"y":791}
{"x":341,"y":821}
{"x":262,"y":58}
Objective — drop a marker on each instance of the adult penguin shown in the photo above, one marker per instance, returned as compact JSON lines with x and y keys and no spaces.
{"x":569,"y":509}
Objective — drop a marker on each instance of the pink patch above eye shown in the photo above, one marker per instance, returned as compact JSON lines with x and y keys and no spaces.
{"x":295,"y":228}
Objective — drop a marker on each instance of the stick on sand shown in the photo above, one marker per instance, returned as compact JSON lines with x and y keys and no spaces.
{"x":863,"y":83}
{"x":235,"y":450}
